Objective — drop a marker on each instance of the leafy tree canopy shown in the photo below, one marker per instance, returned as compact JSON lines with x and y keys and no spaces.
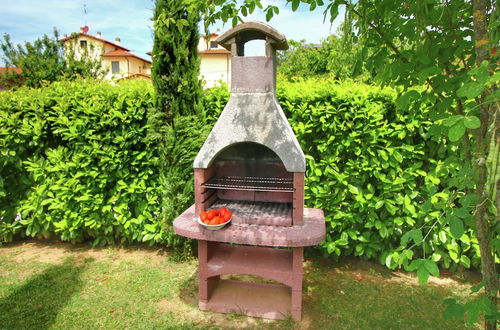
{"x":333,"y":57}
{"x":47,"y":60}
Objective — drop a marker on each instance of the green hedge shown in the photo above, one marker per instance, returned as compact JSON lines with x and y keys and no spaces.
{"x":382,"y":179}
{"x":79,"y":161}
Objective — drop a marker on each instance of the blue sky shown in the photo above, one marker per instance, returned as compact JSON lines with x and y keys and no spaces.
{"x":25,"y":20}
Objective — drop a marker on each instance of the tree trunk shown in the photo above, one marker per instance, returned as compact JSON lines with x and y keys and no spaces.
{"x":483,"y":138}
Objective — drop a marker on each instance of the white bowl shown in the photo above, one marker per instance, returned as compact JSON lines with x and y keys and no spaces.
{"x":213,"y":227}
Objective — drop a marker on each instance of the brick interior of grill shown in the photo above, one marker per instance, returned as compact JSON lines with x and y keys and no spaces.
{"x":250,"y":172}
{"x":262,"y":213}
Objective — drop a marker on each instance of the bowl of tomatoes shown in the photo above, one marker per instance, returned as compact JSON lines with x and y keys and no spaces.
{"x":215,"y":219}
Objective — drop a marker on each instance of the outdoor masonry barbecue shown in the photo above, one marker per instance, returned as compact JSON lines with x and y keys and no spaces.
{"x":252,"y":163}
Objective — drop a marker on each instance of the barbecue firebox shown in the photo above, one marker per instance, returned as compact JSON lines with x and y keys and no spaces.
{"x":252,"y":163}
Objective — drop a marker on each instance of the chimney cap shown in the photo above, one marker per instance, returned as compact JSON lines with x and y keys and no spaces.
{"x":252,"y":30}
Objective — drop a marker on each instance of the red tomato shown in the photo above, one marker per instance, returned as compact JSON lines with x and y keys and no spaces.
{"x":227,"y":216}
{"x":203,"y":216}
{"x":211,"y":214}
{"x":222,"y":210}
{"x":216,"y":220}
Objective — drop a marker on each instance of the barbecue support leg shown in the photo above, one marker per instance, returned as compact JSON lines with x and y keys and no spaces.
{"x":206,"y":284}
{"x":298,"y":257}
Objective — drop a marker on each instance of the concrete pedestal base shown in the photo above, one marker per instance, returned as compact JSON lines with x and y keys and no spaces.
{"x":253,"y":299}
{"x":257,"y":255}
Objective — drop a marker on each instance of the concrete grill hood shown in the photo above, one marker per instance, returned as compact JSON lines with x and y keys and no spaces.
{"x":252,"y":113}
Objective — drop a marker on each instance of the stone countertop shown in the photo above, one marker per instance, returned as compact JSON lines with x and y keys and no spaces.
{"x":311,"y":233}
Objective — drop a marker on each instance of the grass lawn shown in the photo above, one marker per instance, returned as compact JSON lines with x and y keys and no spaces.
{"x":62,"y":286}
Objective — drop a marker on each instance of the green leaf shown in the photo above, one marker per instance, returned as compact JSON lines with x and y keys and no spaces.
{"x":472,"y":122}
{"x":456,"y":227}
{"x":453,"y":310}
{"x":269,"y":15}
{"x":415,"y":235}
{"x":423,"y":275}
{"x":431,"y":267}
{"x":334,"y":11}
{"x":456,"y":131}
{"x":295,"y":5}
{"x":405,"y":238}
{"x":390,"y":208}
{"x":452,"y":120}
{"x":470,"y":90}
{"x":379,"y":204}
{"x":476,"y":307}
{"x":353,"y":189}
{"x":465,"y":261}
{"x":442,"y":236}
{"x":476,"y":288}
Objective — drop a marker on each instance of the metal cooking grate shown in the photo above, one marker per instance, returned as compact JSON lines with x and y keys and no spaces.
{"x":266,"y":213}
{"x":250,"y":183}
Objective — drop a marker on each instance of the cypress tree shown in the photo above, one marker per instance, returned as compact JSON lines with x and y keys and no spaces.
{"x":177,"y":117}
{"x":176,"y":67}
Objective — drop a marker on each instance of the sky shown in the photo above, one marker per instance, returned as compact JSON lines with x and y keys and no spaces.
{"x":130,"y":20}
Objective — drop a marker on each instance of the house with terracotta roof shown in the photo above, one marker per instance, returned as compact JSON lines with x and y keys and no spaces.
{"x":215,"y":61}
{"x":118,"y":61}
{"x":9,"y":77}
{"x":215,"y":66}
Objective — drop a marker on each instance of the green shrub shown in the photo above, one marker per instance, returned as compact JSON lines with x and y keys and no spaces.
{"x":382,"y":181}
{"x":80,"y":161}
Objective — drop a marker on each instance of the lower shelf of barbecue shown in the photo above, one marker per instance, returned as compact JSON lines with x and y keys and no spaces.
{"x":272,"y":263}
{"x":253,"y":299}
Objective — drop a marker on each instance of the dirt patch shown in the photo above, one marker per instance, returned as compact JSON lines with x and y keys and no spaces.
{"x":56,"y":252}
{"x":31,"y":251}
{"x":191,"y":313}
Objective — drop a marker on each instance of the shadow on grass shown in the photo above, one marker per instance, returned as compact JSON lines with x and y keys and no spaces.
{"x":36,"y":303}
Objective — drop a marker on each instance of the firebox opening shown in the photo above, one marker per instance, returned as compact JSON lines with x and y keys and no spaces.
{"x":250,"y":172}
{"x":248,"y":159}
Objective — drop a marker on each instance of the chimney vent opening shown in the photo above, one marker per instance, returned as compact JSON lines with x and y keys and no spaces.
{"x":255,"y":48}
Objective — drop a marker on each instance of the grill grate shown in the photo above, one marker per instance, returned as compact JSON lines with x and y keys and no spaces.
{"x":263,"y":213}
{"x":250,"y":183}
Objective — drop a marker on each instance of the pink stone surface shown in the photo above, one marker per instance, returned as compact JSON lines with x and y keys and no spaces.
{"x":312,"y":232}
{"x":272,"y":263}
{"x":253,"y":299}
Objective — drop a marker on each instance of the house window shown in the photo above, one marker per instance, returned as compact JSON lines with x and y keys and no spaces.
{"x":213,"y":44}
{"x":83,"y":43}
{"x":115,"y":67}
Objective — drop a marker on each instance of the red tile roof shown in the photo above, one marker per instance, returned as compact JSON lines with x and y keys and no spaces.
{"x":207,"y":51}
{"x":10,"y":69}
{"x":215,"y":51}
{"x":8,"y":83}
{"x":137,"y":75}
{"x":95,"y":38}
{"x":122,"y":53}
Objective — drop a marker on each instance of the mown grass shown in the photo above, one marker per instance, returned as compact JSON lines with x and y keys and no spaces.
{"x":62,"y":286}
